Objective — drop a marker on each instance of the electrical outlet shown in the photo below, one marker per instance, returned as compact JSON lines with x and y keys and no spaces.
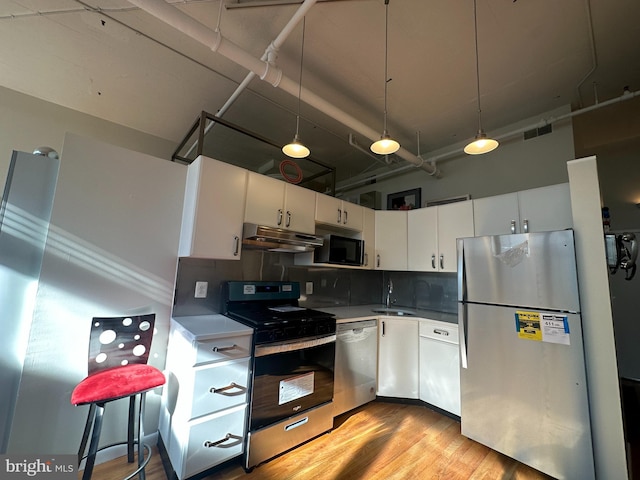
{"x":201,"y":290}
{"x":309,"y":288}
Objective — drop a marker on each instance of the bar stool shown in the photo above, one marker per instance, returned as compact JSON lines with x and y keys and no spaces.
{"x":118,"y":354}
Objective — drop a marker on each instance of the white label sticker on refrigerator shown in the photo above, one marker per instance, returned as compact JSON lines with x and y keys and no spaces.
{"x":296,"y":387}
{"x":555,"y":328}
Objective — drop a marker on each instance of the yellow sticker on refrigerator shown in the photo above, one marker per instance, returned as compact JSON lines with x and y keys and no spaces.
{"x":543,"y":327}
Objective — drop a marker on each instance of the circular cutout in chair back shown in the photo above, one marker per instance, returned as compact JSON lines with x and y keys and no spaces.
{"x":117,"y":382}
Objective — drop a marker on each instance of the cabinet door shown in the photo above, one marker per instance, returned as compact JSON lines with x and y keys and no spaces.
{"x":391,"y":240}
{"x":328,"y":210}
{"x":265,"y":200}
{"x":546,"y":208}
{"x":299,"y":209}
{"x":455,"y":220}
{"x":495,"y":215}
{"x":422,"y":241}
{"x":352,"y":216}
{"x":213,"y":210}
{"x":369,"y":237}
{"x":398,"y":358}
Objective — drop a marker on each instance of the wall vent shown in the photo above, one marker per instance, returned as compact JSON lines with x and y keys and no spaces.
{"x":537,"y":132}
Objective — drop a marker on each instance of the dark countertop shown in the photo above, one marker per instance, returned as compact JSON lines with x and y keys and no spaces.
{"x":362,"y":312}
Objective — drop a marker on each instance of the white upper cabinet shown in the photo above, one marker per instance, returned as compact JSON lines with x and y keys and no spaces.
{"x":213,"y":210}
{"x":535,"y":210}
{"x":369,"y":237}
{"x":432,"y":235}
{"x":422,"y":241}
{"x":338,"y":213}
{"x":455,"y":220}
{"x":391,"y":239}
{"x":278,"y":204}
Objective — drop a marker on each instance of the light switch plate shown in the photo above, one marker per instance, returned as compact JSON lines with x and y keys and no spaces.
{"x":201,"y":289}
{"x":309,"y":288}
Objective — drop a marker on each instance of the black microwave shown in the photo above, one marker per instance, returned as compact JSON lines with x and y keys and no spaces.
{"x":340,"y":251}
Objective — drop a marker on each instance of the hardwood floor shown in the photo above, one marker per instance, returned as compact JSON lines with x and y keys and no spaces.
{"x":379,"y":441}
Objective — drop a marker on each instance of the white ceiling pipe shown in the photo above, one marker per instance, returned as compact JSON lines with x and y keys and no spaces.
{"x":267,"y":72}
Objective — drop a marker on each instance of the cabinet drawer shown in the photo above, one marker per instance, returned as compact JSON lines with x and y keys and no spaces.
{"x":219,"y":386}
{"x":212,"y":441}
{"x":219,"y":350}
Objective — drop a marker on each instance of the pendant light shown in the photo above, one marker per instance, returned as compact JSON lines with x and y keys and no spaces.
{"x":296,"y":148}
{"x":386,"y":145}
{"x":481,"y":143}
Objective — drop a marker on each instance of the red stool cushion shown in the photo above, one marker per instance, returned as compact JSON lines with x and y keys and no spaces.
{"x":117,"y":382}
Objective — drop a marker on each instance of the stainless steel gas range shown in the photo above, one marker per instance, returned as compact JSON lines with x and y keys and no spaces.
{"x":292,"y":370}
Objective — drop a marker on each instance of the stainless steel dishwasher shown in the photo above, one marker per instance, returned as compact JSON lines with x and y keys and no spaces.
{"x":356,"y":364}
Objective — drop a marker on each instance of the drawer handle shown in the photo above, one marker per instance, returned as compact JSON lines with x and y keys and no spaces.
{"x":224,"y":349}
{"x":228,"y":436}
{"x":441,"y":332}
{"x":224,"y":390}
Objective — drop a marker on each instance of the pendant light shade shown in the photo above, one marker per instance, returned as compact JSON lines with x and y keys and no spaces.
{"x":481,"y":143}
{"x":386,"y":145}
{"x":296,"y":148}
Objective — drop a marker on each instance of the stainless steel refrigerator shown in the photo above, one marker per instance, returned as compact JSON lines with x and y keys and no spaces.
{"x":523,"y":381}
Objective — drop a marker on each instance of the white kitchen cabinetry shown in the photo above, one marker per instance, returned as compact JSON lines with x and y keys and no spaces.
{"x":213,"y":210}
{"x":278,"y":204}
{"x":398,"y":357}
{"x":369,"y":237}
{"x":439,"y":365}
{"x":338,"y":213}
{"x":204,"y":402}
{"x":432,"y":234}
{"x":535,"y":210}
{"x":391,"y":240}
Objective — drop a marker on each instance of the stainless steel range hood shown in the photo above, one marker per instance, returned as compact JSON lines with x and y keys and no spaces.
{"x":278,"y":240}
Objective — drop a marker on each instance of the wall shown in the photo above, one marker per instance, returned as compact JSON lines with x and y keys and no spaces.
{"x":111,"y":250}
{"x":515,"y":165}
{"x":27,"y":122}
{"x":332,"y":287}
{"x":613,"y":135}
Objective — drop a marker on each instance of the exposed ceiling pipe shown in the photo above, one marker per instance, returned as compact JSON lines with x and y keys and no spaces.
{"x":270,"y":52}
{"x":456,"y":151}
{"x":265,"y":70}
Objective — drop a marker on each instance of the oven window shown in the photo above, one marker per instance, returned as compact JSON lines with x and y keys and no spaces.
{"x":288,"y":383}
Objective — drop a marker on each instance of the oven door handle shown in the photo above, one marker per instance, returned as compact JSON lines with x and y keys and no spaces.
{"x":291,"y":346}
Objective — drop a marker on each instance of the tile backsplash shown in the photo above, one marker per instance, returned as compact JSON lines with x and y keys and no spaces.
{"x":330,"y":287}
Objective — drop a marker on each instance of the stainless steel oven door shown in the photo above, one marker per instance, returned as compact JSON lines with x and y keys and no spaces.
{"x":291,"y":377}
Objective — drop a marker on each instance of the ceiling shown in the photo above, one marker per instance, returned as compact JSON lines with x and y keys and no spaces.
{"x":114,"y":61}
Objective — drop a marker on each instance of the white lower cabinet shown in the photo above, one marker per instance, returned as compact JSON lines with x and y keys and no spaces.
{"x":440,"y":365}
{"x":204,"y":402}
{"x":398,"y":357}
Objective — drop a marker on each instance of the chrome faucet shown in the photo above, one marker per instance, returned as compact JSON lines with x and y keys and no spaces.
{"x":389,"y":292}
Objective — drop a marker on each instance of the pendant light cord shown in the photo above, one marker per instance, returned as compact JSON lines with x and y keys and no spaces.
{"x":304,"y":19}
{"x":386,"y":54}
{"x":475,"y":22}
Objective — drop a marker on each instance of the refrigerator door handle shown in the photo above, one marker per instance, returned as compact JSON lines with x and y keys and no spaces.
{"x":460,"y":262}
{"x":462,"y":308}
{"x":462,"y":333}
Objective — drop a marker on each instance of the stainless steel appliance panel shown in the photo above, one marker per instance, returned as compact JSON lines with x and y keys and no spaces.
{"x":534,"y":269}
{"x":356,"y":365}
{"x":268,"y":442}
{"x":526,"y":398}
{"x":290,"y":378}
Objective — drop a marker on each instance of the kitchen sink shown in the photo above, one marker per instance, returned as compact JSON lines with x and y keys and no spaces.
{"x":394,"y":312}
